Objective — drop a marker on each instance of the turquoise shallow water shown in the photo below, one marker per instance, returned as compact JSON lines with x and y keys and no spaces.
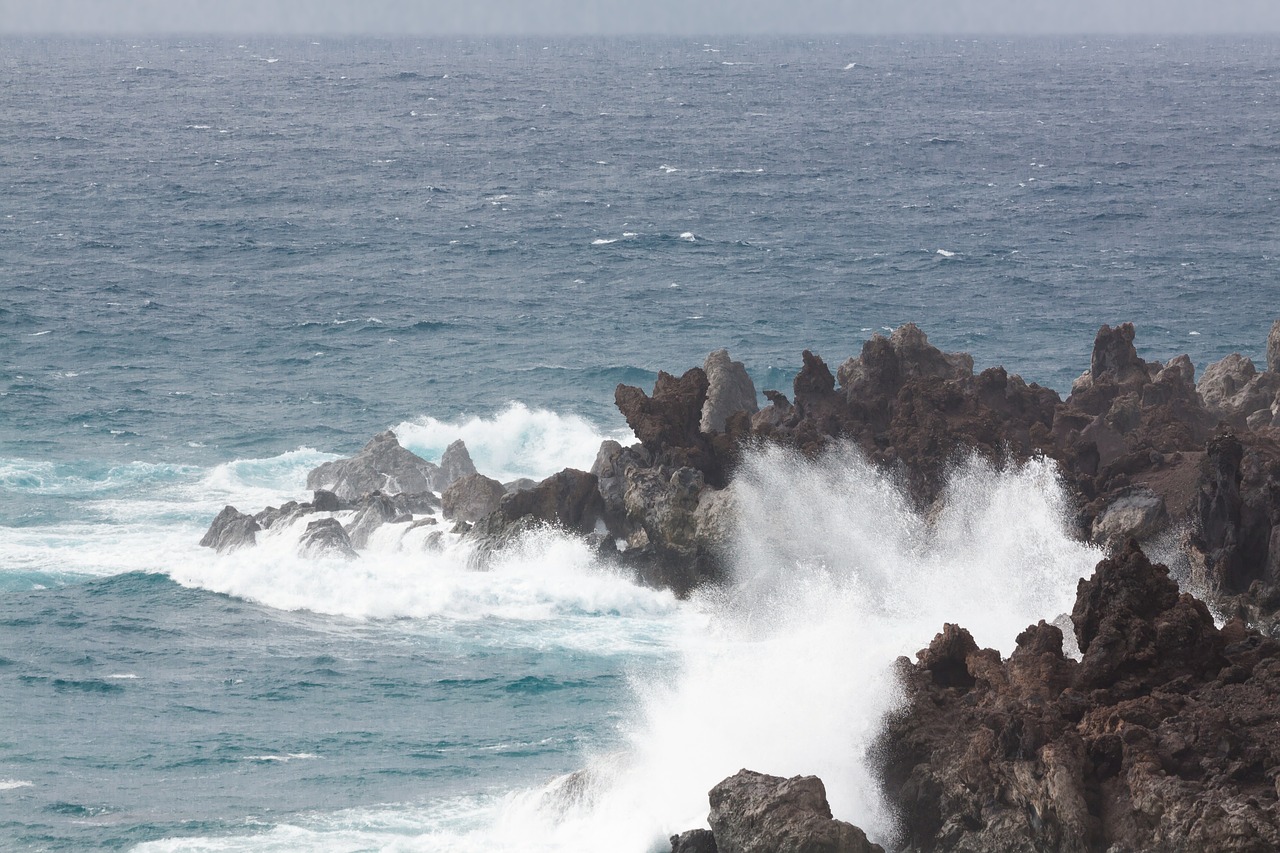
{"x":224,"y":262}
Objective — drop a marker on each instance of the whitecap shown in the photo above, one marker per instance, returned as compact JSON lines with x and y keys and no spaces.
{"x":12,"y":784}
{"x":603,"y":241}
{"x":688,"y":236}
{"x":38,"y":334}
{"x":945,"y":253}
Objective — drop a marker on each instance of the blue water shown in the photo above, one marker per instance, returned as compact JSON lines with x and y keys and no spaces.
{"x":224,"y":262}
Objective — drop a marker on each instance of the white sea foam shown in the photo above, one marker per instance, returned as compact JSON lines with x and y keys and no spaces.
{"x":945,"y":253}
{"x":515,"y":442}
{"x":13,"y":784}
{"x":602,"y":241}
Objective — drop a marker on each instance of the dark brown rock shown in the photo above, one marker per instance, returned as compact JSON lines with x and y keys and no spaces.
{"x":1165,"y":736}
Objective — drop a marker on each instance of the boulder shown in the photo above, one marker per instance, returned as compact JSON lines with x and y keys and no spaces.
{"x":326,"y":538}
{"x":472,"y":497}
{"x":1135,"y":512}
{"x":755,"y":813}
{"x":230,"y":530}
{"x":323,"y":500}
{"x":568,"y":500}
{"x":729,"y":390}
{"x":455,"y":464}
{"x":382,"y":465}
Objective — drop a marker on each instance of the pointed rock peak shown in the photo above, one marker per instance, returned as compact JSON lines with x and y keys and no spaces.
{"x":1114,"y":354}
{"x":385,"y":437}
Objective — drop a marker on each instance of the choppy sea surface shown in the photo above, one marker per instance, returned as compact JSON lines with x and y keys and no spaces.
{"x":223,"y":262}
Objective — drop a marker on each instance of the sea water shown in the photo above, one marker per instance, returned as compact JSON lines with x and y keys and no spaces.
{"x":223,"y":263}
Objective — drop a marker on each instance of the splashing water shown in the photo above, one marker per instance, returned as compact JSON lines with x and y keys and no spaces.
{"x":788,"y":670}
{"x":835,"y":575}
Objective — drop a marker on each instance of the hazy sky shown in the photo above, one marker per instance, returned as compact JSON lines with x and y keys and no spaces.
{"x":449,"y":17}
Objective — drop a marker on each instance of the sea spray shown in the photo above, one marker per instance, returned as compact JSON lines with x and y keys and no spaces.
{"x":515,"y":442}
{"x":835,"y":575}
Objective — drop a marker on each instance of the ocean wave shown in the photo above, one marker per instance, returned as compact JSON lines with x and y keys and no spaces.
{"x":515,"y":442}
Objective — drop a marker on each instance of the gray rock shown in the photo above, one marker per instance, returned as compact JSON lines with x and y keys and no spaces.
{"x":1232,"y":389}
{"x":520,"y":484}
{"x":325,"y":501}
{"x":610,"y":467}
{"x":231,"y":529}
{"x":1273,"y":348}
{"x":755,"y":813}
{"x":694,"y":841}
{"x":1136,"y":512}
{"x":382,"y":465}
{"x":326,"y":538}
{"x":455,"y":464}
{"x":664,"y":503}
{"x":730,"y":390}
{"x":1223,"y":380}
{"x":472,"y":497}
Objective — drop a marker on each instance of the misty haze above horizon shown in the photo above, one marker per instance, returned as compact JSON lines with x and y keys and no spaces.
{"x":655,"y":17}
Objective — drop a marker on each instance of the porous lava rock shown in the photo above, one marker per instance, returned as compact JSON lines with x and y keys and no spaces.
{"x":1164,"y":736}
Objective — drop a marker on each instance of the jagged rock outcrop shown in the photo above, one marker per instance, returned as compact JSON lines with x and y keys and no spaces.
{"x":757,"y":813}
{"x":1234,"y":390}
{"x":231,"y":530}
{"x":382,"y":465}
{"x":1235,"y":543}
{"x":729,"y":391}
{"x":1273,"y":348}
{"x":1165,"y":736}
{"x":455,"y":463}
{"x":326,"y":537}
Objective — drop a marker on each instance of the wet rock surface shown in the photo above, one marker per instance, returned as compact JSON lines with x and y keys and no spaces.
{"x":1164,"y":736}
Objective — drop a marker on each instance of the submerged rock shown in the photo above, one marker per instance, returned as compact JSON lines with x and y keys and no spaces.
{"x":326,"y":538}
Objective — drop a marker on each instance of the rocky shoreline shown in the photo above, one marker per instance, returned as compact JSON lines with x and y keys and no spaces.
{"x":1164,"y":735}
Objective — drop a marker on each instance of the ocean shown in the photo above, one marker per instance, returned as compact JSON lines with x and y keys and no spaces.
{"x":226,"y":261}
